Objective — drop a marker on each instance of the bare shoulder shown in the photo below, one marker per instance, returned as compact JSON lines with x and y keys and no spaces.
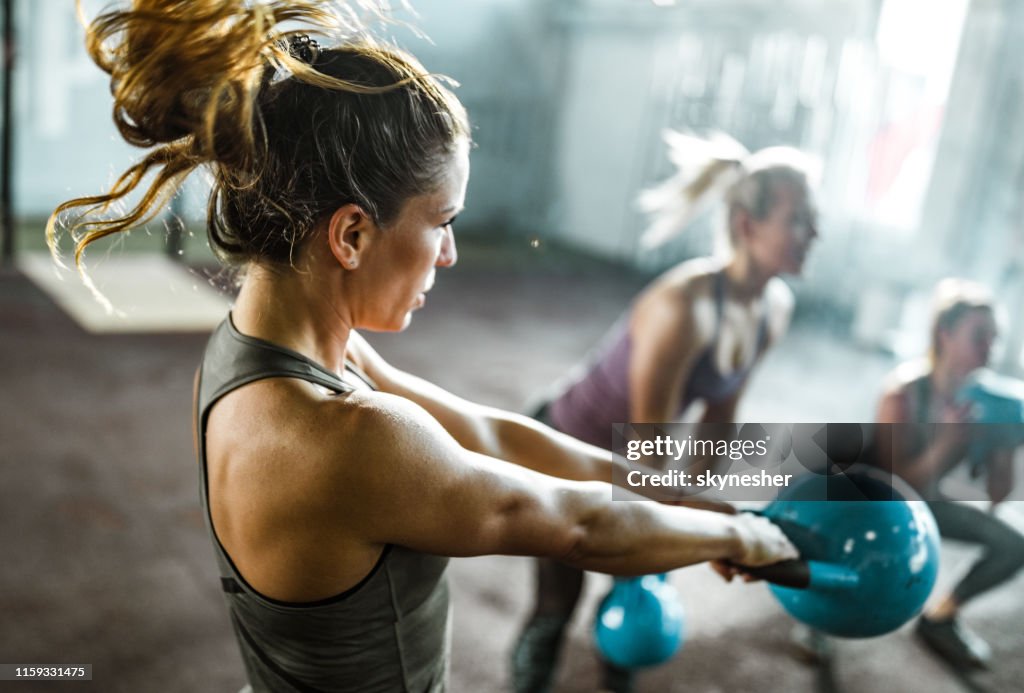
{"x":690,"y":278}
{"x":383,"y":425}
{"x":295,"y":476}
{"x":898,"y":391}
{"x":304,"y":438}
{"x":681,"y":290}
{"x":673,"y":320}
{"x":906,"y":376}
{"x":280,"y":426}
{"x":299,"y":450}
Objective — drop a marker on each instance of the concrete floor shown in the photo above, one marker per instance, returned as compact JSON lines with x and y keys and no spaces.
{"x":107,"y":561}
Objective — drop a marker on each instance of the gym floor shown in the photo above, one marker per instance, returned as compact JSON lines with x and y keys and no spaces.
{"x":107,"y":562}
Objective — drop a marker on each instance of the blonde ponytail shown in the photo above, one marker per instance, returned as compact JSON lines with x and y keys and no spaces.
{"x":703,"y":169}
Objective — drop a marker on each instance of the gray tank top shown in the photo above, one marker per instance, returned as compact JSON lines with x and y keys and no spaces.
{"x":389,"y":633}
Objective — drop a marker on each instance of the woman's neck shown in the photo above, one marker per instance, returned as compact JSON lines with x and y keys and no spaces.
{"x":292,"y":309}
{"x":746,"y":282}
{"x":947,"y":380}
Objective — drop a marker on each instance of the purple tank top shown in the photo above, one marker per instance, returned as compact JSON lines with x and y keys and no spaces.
{"x":597,"y":395}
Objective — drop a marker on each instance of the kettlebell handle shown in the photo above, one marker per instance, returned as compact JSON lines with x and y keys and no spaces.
{"x":802,"y":575}
{"x":795,"y":574}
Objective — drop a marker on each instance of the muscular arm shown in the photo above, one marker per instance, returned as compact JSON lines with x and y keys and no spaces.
{"x":496,"y":433}
{"x":420,"y":489}
{"x":665,"y":342}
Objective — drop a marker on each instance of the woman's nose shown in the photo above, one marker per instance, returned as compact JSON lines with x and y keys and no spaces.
{"x":448,"y":254}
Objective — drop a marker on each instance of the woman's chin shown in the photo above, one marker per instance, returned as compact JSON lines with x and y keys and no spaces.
{"x":399,"y":324}
{"x":796,"y":267}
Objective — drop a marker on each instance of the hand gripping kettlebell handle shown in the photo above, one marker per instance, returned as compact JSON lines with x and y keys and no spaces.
{"x":800,"y":573}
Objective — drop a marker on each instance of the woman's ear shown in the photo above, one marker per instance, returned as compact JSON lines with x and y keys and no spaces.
{"x":349,"y":232}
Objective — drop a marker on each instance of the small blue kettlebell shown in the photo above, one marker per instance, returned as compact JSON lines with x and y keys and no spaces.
{"x":640,"y":622}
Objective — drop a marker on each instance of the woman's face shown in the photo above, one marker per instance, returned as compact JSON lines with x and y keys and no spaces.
{"x":403,"y":259}
{"x":967,"y":345}
{"x":779,"y":243}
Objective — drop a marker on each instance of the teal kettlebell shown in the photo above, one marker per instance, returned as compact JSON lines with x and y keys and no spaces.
{"x":869,"y":552}
{"x":640,"y":622}
{"x":997,"y":409}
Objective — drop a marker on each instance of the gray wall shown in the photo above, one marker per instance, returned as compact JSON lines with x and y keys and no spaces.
{"x":568,"y":97}
{"x":508,"y":63}
{"x":66,"y":143}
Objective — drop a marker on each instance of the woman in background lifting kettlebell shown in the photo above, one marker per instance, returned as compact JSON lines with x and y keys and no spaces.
{"x":931,"y":433}
{"x":693,"y":335}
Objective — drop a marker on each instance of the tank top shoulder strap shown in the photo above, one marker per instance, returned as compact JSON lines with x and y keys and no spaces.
{"x":718,"y":293}
{"x":762,"y":328}
{"x":233,"y":359}
{"x":922,"y":395}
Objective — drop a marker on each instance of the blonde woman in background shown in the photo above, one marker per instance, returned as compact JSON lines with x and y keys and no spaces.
{"x":693,"y":336}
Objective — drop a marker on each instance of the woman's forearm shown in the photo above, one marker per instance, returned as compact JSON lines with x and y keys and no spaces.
{"x":632,"y":538}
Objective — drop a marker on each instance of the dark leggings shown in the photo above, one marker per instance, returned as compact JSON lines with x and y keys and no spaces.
{"x":538,"y":647}
{"x":1004,"y":545}
{"x":540,"y":642}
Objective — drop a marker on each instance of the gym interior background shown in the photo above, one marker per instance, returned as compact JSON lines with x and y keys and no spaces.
{"x":914,"y":107}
